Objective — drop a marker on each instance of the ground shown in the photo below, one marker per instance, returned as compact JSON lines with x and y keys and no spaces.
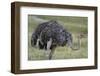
{"x":75,"y":25}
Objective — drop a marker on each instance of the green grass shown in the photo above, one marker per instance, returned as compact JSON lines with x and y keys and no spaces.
{"x":73,"y":24}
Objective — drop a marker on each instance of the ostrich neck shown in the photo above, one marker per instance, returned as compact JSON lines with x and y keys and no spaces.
{"x":78,"y":44}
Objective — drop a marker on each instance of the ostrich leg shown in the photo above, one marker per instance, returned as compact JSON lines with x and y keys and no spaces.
{"x":37,"y":44}
{"x":49,"y":51}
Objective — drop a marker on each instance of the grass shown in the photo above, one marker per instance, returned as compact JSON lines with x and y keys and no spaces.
{"x":73,"y":24}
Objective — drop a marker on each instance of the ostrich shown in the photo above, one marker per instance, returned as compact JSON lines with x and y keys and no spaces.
{"x":49,"y":35}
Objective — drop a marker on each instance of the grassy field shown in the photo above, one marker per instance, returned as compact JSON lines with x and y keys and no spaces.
{"x":75,"y":25}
